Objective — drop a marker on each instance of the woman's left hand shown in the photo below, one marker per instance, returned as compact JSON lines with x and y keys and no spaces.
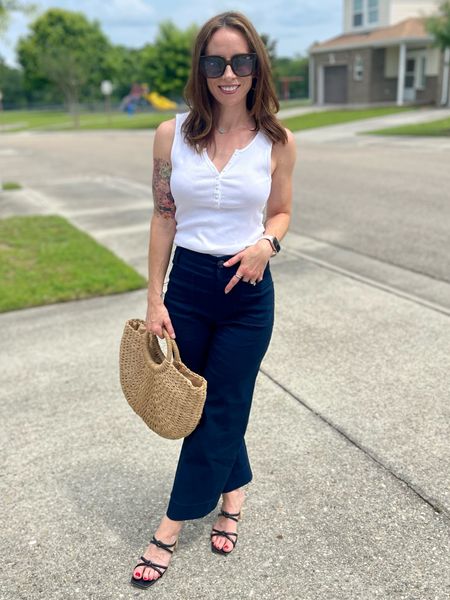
{"x":253,"y":261}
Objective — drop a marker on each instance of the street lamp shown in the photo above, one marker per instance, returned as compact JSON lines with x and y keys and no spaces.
{"x":107,"y":88}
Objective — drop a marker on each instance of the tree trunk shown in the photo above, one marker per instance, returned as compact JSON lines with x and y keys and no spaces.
{"x":76,"y":115}
{"x":74,"y":110}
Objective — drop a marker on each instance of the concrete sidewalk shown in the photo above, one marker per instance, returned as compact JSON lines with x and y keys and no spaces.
{"x":348,"y":435}
{"x":346,"y":131}
{"x":334,"y":511}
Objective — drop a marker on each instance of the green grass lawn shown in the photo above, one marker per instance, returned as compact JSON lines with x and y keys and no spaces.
{"x":295,"y":102}
{"x":335,"y":117}
{"x":44,"y":259}
{"x":439,"y":128}
{"x":11,"y":185}
{"x":11,"y":121}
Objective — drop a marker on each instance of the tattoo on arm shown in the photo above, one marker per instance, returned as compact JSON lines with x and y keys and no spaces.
{"x":162,"y":196}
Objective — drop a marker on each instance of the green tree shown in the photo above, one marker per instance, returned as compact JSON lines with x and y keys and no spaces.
{"x":11,"y":85}
{"x":125,"y":67}
{"x":298,"y":66}
{"x":166,"y":63}
{"x":439,"y":25}
{"x":271,"y":46}
{"x":287,"y":67}
{"x":68,"y":52}
{"x":9,"y":6}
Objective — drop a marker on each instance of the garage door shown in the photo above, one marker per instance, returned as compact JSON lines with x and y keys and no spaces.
{"x":336,"y":84}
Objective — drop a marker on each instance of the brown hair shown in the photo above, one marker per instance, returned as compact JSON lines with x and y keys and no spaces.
{"x":262,"y":102}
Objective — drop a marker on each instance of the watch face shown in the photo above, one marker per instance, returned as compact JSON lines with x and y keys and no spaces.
{"x":276,"y":244}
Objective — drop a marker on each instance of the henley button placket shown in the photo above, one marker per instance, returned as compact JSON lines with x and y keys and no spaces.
{"x":217,"y":191}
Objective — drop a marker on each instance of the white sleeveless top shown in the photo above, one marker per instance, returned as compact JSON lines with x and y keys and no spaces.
{"x":219,"y":212}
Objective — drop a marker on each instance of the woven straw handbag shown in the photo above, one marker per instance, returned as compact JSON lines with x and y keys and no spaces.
{"x":167,"y":395}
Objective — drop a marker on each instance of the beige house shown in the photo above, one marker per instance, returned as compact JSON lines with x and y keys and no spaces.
{"x":384,"y":54}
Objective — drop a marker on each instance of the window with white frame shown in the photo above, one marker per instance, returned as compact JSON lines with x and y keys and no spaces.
{"x":357,"y":13}
{"x":365,"y":12}
{"x":358,"y":68}
{"x":372,"y":11}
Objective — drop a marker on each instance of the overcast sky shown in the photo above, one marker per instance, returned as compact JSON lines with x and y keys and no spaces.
{"x":294,"y":24}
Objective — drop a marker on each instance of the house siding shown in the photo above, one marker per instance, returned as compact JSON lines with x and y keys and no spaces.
{"x":404,"y":9}
{"x":359,"y":91}
{"x":429,"y":94}
{"x":379,"y":82}
{"x":374,"y":86}
{"x":382,"y":88}
{"x":389,"y":12}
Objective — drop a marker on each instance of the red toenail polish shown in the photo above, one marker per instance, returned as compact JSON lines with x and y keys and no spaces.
{"x":138,"y":574}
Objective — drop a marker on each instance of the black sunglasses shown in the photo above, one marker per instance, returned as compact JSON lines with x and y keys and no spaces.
{"x":243,"y":65}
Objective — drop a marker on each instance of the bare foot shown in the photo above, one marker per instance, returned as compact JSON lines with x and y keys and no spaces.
{"x":168,"y":533}
{"x":231,"y":502}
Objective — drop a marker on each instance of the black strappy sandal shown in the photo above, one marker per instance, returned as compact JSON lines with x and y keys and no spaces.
{"x":235,"y":517}
{"x":146,"y":583}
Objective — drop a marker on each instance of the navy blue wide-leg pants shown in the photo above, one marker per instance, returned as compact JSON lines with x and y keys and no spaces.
{"x":223,"y":337}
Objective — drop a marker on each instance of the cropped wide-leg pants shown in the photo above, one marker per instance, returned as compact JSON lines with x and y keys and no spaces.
{"x":223,"y":337}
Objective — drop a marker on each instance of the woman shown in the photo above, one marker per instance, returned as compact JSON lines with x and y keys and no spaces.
{"x":216,"y":168}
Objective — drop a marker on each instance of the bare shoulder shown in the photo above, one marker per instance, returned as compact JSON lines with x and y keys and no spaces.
{"x":164,"y":135}
{"x":285,"y":154}
{"x":290,"y":136}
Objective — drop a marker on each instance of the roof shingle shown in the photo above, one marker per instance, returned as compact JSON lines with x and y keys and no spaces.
{"x":410,"y":29}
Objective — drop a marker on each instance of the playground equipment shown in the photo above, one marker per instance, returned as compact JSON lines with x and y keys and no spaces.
{"x":160,"y":102}
{"x":140,"y":95}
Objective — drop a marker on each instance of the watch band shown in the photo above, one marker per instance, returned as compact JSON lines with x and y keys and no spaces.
{"x":273,"y":242}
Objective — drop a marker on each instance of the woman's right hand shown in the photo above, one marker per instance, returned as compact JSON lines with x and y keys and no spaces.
{"x":157,"y":318}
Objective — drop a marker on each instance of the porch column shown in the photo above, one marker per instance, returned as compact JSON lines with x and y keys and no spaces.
{"x":321,"y":85}
{"x":312,"y":82}
{"x":401,"y":75}
{"x":445,"y":98}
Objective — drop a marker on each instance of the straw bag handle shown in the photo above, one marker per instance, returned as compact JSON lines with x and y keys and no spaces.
{"x":172,"y":349}
{"x":171,"y":344}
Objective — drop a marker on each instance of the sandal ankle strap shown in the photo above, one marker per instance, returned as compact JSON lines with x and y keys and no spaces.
{"x":162,"y":545}
{"x":228,"y":515}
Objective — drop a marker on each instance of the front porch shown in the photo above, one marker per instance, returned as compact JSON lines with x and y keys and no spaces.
{"x":396,"y":64}
{"x":417,"y":71}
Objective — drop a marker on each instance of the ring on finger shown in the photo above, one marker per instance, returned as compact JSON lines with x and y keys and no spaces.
{"x":238,"y":276}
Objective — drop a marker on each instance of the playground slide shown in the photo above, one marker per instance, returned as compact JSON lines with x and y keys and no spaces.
{"x":160,"y":102}
{"x":140,"y":92}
